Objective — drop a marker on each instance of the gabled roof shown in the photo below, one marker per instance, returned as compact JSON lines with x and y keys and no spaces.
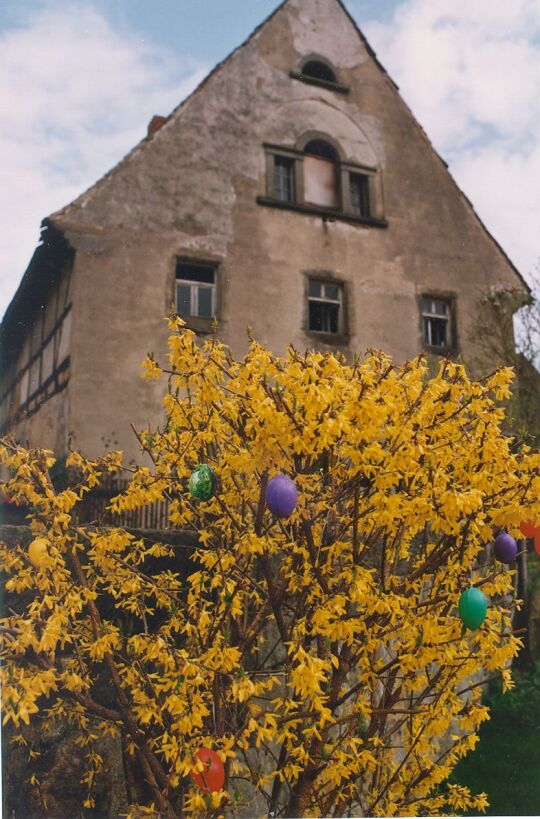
{"x":56,"y":218}
{"x":140,"y":146}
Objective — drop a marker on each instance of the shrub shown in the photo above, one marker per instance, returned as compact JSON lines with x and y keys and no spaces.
{"x":320,"y":655}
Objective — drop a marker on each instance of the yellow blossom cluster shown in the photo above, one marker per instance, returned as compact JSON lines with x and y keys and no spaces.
{"x":320,"y":655}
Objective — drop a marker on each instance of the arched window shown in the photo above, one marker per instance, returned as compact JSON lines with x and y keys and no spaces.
{"x":317,"y":70}
{"x":321,"y":178}
{"x":318,"y":147}
{"x":315,"y":176}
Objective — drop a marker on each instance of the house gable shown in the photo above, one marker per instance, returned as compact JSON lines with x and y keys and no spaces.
{"x":185,"y":179}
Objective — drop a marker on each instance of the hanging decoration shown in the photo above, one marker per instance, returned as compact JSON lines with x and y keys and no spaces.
{"x":528,"y":528}
{"x":202,"y":482}
{"x":281,"y":496}
{"x":38,"y":552}
{"x":472,"y":607}
{"x":212,"y":777}
{"x":505,"y":548}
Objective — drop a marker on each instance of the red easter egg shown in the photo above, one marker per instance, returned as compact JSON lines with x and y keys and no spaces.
{"x":537,"y":542}
{"x":212,"y":777}
{"x":528,"y":528}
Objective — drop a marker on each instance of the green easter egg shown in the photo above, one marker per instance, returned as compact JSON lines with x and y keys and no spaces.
{"x":202,"y":482}
{"x":472,"y":607}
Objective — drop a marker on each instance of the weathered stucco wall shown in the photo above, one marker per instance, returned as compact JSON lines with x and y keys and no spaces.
{"x":191,"y":190}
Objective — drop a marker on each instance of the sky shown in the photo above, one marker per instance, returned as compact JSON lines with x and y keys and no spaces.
{"x":80,"y":80}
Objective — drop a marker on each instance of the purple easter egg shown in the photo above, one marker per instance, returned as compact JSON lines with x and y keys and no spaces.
{"x":281,"y":496}
{"x":505,"y":548}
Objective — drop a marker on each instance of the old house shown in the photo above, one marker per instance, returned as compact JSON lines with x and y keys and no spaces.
{"x":293,"y":192}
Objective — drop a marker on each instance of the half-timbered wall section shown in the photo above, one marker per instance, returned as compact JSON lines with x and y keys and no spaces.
{"x":36,"y":349}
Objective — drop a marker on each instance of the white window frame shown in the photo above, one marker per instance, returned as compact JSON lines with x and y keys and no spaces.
{"x":324,"y":299}
{"x":432,"y":314}
{"x":194,"y":287}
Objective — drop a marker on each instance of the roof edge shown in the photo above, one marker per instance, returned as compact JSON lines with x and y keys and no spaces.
{"x":376,"y":60}
{"x":59,"y":213}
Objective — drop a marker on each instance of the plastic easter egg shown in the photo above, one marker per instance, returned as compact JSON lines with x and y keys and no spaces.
{"x":505,"y":548}
{"x":38,"y":552}
{"x":202,"y":482}
{"x":281,"y":496}
{"x":528,"y":528}
{"x":472,"y":607}
{"x":212,"y":777}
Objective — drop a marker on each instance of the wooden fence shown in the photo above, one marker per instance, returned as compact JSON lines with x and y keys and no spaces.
{"x":94,"y":509}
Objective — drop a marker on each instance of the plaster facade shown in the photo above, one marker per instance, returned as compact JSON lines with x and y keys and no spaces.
{"x":197,"y":188}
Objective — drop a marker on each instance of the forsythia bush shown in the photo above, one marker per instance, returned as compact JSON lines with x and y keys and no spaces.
{"x":320,"y":655}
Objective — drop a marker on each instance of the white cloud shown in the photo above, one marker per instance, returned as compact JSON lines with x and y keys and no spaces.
{"x":470,"y":70}
{"x":76,"y":96}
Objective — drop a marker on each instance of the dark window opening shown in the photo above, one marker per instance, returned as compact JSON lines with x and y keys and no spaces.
{"x":325,"y":303}
{"x":436,"y":322}
{"x":319,"y":71}
{"x":284,"y":178}
{"x":359,"y":194}
{"x":318,"y":147}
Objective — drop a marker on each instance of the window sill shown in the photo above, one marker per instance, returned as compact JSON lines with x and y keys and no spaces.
{"x":335,"y":339}
{"x":443,"y":352}
{"x":199,"y":324}
{"x":331,"y":86}
{"x":327,"y":214}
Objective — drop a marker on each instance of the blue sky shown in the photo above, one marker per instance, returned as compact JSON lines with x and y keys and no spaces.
{"x":80,"y":81}
{"x":207,"y":29}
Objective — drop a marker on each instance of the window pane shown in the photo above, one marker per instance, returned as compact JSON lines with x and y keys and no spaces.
{"x":441,"y":308}
{"x":359,"y":194}
{"x":426,"y":306}
{"x":331,"y":291}
{"x":439,"y":329}
{"x":323,"y":317}
{"x":436,"y":332}
{"x":284,"y":178}
{"x":205,"y":302}
{"x":314,"y":288}
{"x":183,"y":300}
{"x":194,"y":272}
{"x":315,"y":316}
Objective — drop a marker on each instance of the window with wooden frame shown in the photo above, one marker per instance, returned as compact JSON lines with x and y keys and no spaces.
{"x":437,"y":322}
{"x":316,"y":180}
{"x":283,"y":178}
{"x":359,"y":194}
{"x":195,"y":289}
{"x":325,"y":307}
